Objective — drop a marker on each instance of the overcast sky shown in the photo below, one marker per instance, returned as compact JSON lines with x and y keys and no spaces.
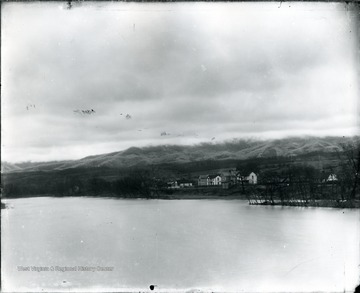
{"x":201,"y":72}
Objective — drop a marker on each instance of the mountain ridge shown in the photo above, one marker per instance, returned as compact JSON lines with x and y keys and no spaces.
{"x":239,"y":149}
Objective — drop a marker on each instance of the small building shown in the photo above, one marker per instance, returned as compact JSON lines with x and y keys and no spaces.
{"x":204,"y":180}
{"x":332,"y":177}
{"x":215,"y":179}
{"x":229,"y":178}
{"x":252,"y":178}
{"x":172,"y":185}
{"x":185,"y":183}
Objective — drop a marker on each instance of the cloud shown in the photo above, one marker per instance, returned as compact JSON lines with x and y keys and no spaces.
{"x":211,"y":69}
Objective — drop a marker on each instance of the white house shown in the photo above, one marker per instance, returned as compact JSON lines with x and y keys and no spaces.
{"x":252,"y":178}
{"x":215,"y":179}
{"x":332,"y":177}
{"x":172,"y":185}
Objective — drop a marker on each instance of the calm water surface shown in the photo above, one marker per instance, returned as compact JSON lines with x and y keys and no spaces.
{"x":221,"y":245}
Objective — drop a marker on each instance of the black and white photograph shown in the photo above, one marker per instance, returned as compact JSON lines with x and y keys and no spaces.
{"x":180,"y":146}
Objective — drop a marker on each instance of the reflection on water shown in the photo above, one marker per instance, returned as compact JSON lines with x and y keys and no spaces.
{"x":179,"y":244}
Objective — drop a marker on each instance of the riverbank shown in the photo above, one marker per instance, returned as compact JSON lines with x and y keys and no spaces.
{"x":211,"y":195}
{"x":180,"y":193}
{"x":325,"y":203}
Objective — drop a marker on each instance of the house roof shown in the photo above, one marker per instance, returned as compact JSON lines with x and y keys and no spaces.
{"x":332,"y":175}
{"x":213,"y":176}
{"x":248,"y":174}
{"x":203,"y":176}
{"x":184,"y":181}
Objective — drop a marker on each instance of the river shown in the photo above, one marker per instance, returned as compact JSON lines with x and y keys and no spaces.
{"x":219,"y":245}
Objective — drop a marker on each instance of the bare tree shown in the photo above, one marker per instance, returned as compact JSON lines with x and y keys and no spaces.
{"x":350,"y":168}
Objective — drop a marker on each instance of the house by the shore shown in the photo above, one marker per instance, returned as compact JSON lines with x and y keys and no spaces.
{"x":204,"y":180}
{"x":252,"y":178}
{"x":172,"y":184}
{"x":209,"y":180}
{"x":332,"y":177}
{"x":183,"y":183}
{"x":227,"y":178}
{"x":215,"y":179}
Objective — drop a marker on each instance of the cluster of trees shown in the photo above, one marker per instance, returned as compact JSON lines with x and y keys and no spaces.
{"x":134,"y":183}
{"x":350,"y":167}
{"x":303,"y":183}
{"x":19,"y":185}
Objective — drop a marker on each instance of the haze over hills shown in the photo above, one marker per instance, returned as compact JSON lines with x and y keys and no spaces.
{"x":237,"y":149}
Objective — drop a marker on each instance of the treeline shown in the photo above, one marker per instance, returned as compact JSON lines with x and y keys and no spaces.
{"x":299,"y":191}
{"x":135,"y":183}
{"x":304,"y":184}
{"x":280,"y":178}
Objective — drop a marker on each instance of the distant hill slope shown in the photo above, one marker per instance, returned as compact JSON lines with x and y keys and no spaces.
{"x":236,"y":149}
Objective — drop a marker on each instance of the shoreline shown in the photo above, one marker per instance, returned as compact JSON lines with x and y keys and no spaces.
{"x":323,"y":203}
{"x":315,"y":204}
